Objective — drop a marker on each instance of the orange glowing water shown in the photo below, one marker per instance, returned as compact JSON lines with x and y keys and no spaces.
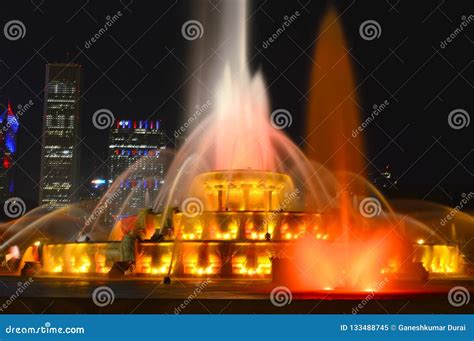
{"x":357,"y":256}
{"x":333,"y":111}
{"x":355,"y":265}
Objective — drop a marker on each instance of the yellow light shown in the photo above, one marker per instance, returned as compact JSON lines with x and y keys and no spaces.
{"x":327,"y":288}
{"x":202,"y":271}
{"x":288,"y":235}
{"x":233,"y":227}
{"x":84,"y":267}
{"x":420,"y":241}
{"x":37,"y":243}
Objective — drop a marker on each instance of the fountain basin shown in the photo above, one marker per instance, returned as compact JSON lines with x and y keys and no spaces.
{"x":212,"y":258}
{"x":242,"y":227}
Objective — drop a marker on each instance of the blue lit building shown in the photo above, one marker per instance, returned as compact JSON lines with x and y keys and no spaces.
{"x":8,"y":131}
{"x":138,"y":142}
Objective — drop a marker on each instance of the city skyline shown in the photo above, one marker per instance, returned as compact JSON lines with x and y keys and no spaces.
{"x":152,"y":85}
{"x":137,"y":144}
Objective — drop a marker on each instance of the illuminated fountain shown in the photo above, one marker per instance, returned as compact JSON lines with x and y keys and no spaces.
{"x":242,"y":201}
{"x":241,"y":224}
{"x":230,"y":226}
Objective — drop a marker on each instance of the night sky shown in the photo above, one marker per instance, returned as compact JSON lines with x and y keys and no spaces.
{"x":140,"y":69}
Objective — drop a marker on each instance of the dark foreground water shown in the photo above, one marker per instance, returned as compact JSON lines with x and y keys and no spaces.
{"x":72,"y":295}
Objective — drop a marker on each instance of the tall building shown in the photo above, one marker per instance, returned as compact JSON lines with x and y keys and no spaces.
{"x":138,"y":143}
{"x":60,"y":157}
{"x":8,"y":130}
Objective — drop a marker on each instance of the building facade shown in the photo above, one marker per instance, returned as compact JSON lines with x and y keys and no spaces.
{"x":135,"y":165}
{"x":8,"y":131}
{"x":60,"y":157}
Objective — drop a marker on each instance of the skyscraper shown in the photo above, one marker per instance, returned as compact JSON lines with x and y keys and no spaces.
{"x":8,"y":130}
{"x":59,"y":157}
{"x":137,"y":143}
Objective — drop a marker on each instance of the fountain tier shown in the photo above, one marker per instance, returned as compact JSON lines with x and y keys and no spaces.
{"x":239,"y":223}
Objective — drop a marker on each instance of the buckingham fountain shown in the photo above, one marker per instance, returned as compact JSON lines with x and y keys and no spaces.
{"x":242,"y":202}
